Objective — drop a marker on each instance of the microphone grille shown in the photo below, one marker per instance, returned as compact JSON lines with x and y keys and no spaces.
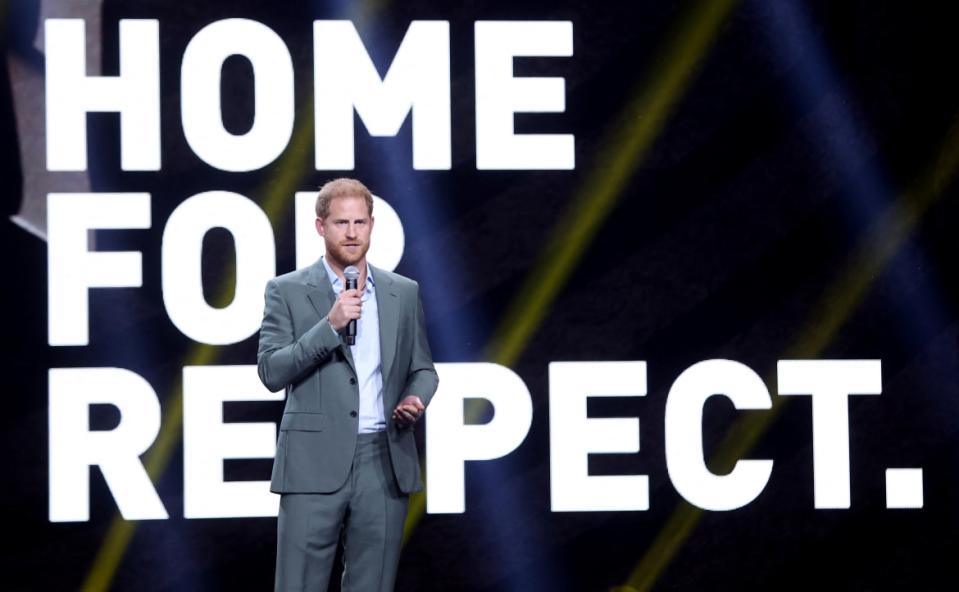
{"x":351,"y":273}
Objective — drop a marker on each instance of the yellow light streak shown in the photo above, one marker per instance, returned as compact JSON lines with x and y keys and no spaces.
{"x":277,"y":194}
{"x":865,"y":264}
{"x":630,"y":137}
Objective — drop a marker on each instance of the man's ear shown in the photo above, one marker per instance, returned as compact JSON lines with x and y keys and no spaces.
{"x":319,"y":227}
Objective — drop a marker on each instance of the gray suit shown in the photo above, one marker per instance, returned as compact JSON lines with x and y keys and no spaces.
{"x":317,"y":442}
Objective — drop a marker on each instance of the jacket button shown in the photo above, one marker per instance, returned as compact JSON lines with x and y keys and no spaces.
{"x":352,"y":413}
{"x":352,"y":380}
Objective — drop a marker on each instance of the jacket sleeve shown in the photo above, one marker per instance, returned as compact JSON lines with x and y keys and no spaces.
{"x":421,"y":379}
{"x":283,"y":359}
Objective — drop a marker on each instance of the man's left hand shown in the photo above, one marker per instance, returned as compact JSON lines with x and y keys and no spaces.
{"x":408,"y":411}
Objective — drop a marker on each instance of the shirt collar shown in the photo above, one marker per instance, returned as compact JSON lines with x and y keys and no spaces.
{"x":337,"y":284}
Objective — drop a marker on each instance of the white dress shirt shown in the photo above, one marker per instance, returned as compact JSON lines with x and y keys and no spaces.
{"x":366,"y":355}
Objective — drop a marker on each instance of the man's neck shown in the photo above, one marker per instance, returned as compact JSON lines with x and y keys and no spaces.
{"x":338,"y":270}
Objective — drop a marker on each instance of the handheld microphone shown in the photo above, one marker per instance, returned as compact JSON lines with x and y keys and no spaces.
{"x":352,"y":275}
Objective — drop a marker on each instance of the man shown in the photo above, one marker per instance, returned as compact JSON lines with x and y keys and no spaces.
{"x":346,"y":459}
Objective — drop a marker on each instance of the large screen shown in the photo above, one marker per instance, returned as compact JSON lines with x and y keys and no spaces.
{"x":687,"y":272}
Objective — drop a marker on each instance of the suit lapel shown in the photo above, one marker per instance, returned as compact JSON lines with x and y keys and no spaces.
{"x":388,"y":309}
{"x":320,"y":292}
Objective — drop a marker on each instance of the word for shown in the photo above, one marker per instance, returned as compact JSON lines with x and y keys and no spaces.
{"x":73,"y":269}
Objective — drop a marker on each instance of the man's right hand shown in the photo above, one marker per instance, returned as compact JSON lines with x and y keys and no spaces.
{"x":347,"y":307}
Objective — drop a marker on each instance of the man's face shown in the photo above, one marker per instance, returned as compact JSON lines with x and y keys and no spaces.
{"x":346,"y":230}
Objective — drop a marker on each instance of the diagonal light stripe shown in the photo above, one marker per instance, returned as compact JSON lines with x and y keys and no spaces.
{"x":624,"y":148}
{"x":880,"y":243}
{"x":632,"y":136}
{"x":294,"y":166}
{"x":277,"y":192}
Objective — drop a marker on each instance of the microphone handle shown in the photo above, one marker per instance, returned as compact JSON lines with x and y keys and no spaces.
{"x":351,"y":326}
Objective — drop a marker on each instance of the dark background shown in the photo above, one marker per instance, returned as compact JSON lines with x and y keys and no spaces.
{"x":802,"y":125}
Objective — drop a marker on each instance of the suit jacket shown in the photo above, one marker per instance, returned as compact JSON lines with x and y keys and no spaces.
{"x":299,"y":351}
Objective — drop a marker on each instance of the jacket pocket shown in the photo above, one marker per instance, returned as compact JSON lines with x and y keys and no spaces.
{"x":302,"y":422}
